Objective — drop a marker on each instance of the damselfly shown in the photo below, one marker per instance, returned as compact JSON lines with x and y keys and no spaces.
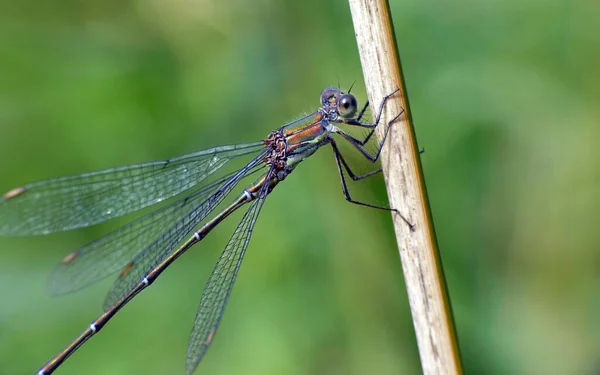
{"x":144,"y":248}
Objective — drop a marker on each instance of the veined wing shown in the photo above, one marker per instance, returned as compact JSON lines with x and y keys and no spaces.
{"x":79,"y":201}
{"x":113,"y":251}
{"x":216,"y":293}
{"x":166,"y":242}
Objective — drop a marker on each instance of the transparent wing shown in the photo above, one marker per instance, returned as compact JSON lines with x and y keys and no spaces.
{"x":170,"y":237}
{"x":113,"y":251}
{"x":216,"y":293}
{"x":78,"y":201}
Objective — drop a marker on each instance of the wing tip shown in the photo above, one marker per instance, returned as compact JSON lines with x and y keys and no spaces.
{"x":13,"y":193}
{"x":126,"y":269}
{"x":69,"y":258}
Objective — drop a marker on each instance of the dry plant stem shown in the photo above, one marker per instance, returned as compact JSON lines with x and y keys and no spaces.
{"x":429,"y":303}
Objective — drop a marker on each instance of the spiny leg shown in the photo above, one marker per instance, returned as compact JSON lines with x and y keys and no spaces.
{"x":341,"y":165}
{"x":362,"y":111}
{"x":354,"y":141}
{"x":352,"y":175}
{"x":364,"y":141}
{"x":358,"y":144}
{"x":356,"y":121}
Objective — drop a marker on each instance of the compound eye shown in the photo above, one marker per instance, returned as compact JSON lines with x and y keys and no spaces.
{"x":328,"y":95}
{"x":347,"y":106}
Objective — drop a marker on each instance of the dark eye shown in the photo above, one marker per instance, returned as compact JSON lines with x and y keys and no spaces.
{"x":328,"y":95}
{"x":347,"y":106}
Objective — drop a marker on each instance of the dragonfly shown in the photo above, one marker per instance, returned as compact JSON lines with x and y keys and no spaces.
{"x":141,"y":250}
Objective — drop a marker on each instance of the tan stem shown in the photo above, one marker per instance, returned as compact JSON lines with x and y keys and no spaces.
{"x":428,"y":298}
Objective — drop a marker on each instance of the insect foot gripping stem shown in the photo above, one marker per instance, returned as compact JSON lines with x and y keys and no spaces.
{"x":410,"y":225}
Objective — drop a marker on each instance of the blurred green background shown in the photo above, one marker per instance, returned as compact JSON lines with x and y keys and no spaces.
{"x":505,"y":97}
